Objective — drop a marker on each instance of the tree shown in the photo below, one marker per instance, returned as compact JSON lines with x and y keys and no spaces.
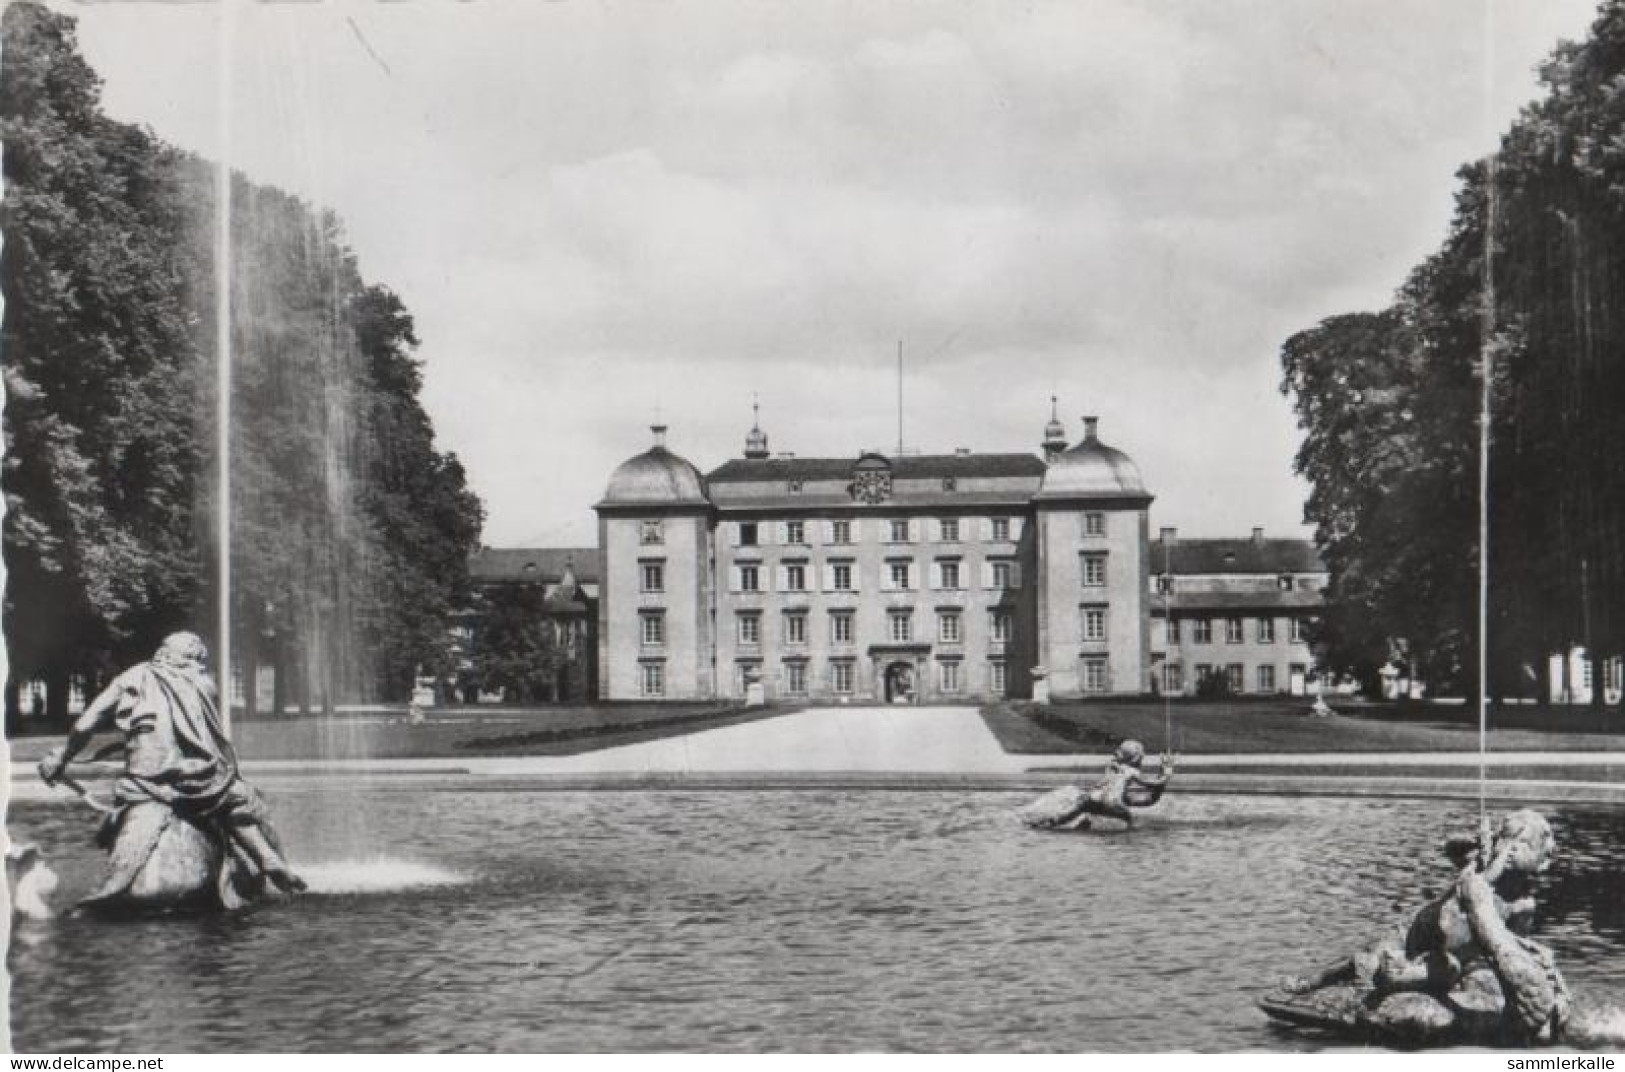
{"x":517,"y":649}
{"x":349,"y":529}
{"x":1389,"y":404}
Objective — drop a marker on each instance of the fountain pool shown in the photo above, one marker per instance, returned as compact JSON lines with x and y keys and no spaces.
{"x":749,"y":919}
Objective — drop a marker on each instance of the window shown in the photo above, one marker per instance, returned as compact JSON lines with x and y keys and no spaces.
{"x":1266,"y":630}
{"x":795,"y":577}
{"x":652,"y":628}
{"x":840,"y":628}
{"x":750,"y":578}
{"x":999,"y":627}
{"x":840,"y":576}
{"x":950,"y":483}
{"x":1094,"y":675}
{"x":1232,"y":631}
{"x":1094,"y":523}
{"x":840,"y":532}
{"x":793,"y":486}
{"x":795,"y":532}
{"x":840,"y":676}
{"x":1165,"y":584}
{"x":948,"y":630}
{"x":1284,"y":582}
{"x":795,"y":628}
{"x":1204,"y":630}
{"x":1173,"y":680}
{"x":1235,"y":677}
{"x":1004,"y":574}
{"x":747,"y":534}
{"x":649,"y":532}
{"x":1203,"y":672}
{"x":1094,"y":623}
{"x":948,"y":675}
{"x":652,"y":679}
{"x":1001,"y":530}
{"x":899,"y":532}
{"x":948,"y":571}
{"x":653,"y":576}
{"x":950,"y":530}
{"x":1094,"y":570}
{"x":750,"y":629}
{"x":1266,"y":679}
{"x":997,"y":680}
{"x":901,"y":626}
{"x":1300,"y":630}
{"x":897,"y":571}
{"x":795,"y":678}
{"x":1171,"y":631}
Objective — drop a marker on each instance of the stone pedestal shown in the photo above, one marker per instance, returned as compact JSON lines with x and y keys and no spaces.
{"x":1040,"y":684}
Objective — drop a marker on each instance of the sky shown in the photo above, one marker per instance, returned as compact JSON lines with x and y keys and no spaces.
{"x":604,"y":214}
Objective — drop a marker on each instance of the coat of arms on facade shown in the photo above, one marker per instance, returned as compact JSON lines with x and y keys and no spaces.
{"x":871,"y":479}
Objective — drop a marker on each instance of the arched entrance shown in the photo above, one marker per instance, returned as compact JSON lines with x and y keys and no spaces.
{"x":900,"y":685}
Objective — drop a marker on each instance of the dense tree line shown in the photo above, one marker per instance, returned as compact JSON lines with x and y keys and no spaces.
{"x":351,"y":531}
{"x":1531,"y":276}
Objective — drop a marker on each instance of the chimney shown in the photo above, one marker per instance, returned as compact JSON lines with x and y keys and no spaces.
{"x":962,"y":451}
{"x":1089,"y":426}
{"x":1169,"y":534}
{"x":660,"y":434}
{"x":1258,"y":536}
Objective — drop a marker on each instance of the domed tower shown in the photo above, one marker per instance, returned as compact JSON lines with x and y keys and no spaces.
{"x":1093,"y":539}
{"x":654,"y":529}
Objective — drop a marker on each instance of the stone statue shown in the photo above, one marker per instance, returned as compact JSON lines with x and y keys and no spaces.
{"x":185,"y":830}
{"x":1461,"y":971}
{"x":1125,"y":787}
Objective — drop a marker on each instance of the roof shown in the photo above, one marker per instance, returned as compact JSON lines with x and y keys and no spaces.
{"x":903,"y":467}
{"x":1296,"y":599}
{"x":655,"y":477}
{"x":1092,"y":470}
{"x":1245,"y":555}
{"x":491,"y":565}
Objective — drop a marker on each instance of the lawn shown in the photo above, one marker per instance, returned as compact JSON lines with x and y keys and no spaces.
{"x":458,"y":732}
{"x":1232,"y":727}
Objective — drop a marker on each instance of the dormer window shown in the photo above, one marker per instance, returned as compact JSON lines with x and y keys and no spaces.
{"x":950,"y":483}
{"x":1284,"y":582}
{"x":649,"y":532}
{"x":794,"y":487}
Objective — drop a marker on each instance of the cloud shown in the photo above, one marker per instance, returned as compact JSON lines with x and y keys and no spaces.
{"x":596,"y":209}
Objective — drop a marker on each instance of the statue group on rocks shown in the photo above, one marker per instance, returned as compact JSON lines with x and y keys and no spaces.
{"x":184,"y":831}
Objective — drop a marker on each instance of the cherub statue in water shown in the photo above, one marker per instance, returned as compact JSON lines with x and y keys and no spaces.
{"x":185,"y":830}
{"x":1125,"y":787}
{"x":1463,"y":970}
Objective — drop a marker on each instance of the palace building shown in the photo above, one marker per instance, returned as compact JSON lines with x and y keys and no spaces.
{"x":930,"y":577}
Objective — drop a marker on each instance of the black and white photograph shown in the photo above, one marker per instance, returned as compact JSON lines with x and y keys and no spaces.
{"x":760,"y":527}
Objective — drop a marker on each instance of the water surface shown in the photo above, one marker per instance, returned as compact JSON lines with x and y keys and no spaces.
{"x":769,"y":920}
